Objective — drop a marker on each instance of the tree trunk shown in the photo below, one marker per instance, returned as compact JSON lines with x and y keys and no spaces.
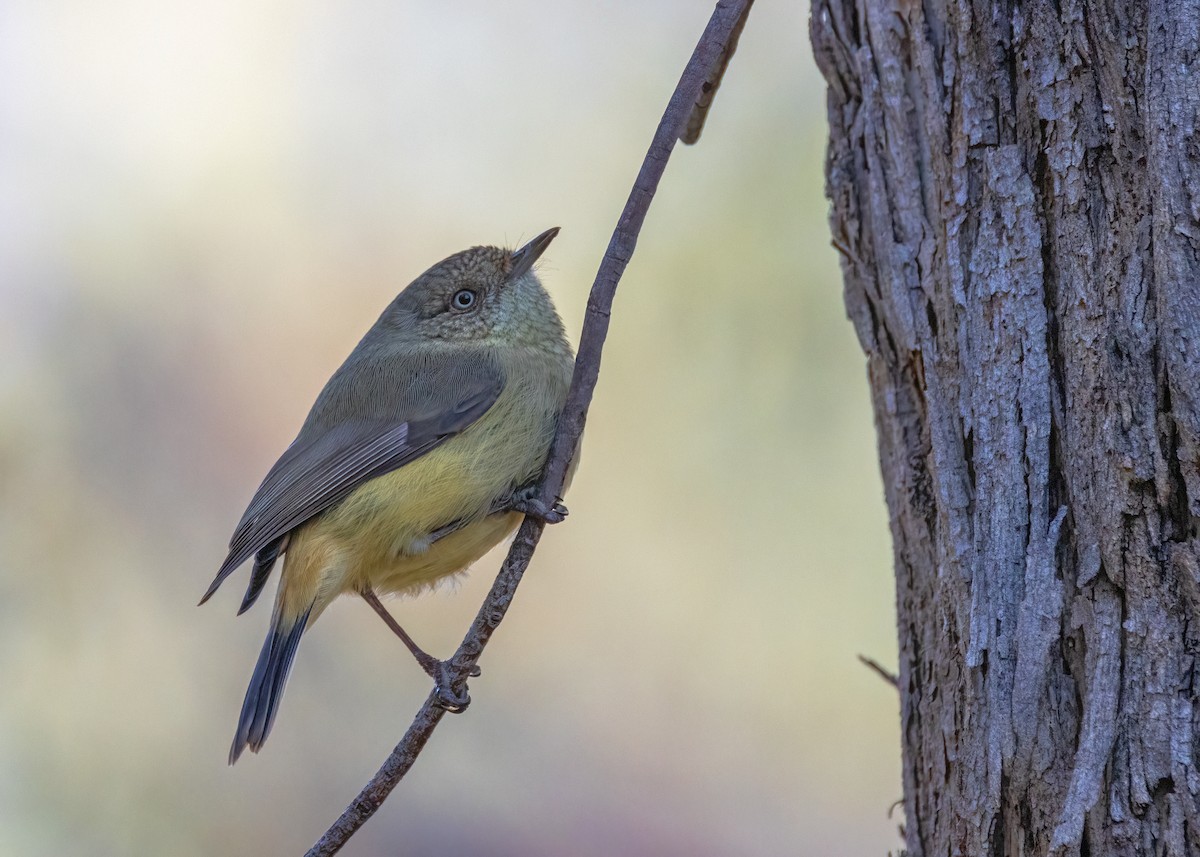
{"x":1015,"y":191}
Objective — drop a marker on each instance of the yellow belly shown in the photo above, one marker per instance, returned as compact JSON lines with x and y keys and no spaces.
{"x":448,"y":555}
{"x":379,"y":535}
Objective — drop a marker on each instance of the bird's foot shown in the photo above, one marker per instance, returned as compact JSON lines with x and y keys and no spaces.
{"x":445,"y":694}
{"x":526,"y":501}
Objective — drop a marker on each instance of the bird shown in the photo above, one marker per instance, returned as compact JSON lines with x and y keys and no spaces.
{"x":420,"y":454}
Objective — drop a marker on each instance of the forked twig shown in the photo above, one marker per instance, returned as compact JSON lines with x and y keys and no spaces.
{"x":705,"y":58}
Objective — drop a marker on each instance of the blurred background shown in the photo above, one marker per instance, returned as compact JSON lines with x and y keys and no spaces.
{"x":202,"y":208}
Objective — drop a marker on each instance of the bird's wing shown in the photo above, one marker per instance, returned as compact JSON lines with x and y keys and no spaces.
{"x":324,"y":466}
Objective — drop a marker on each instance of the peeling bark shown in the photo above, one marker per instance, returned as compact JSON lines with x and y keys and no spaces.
{"x":1015,"y":189}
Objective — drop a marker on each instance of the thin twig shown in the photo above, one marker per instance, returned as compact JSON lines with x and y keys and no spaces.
{"x":874,"y":665}
{"x":690,"y":135}
{"x":570,"y":425}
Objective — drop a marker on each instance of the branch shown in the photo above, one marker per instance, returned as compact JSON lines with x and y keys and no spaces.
{"x":704,"y":60}
{"x":878,"y":669}
{"x":690,"y":135}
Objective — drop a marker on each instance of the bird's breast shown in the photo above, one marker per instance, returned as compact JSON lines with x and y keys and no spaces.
{"x":385,"y":523}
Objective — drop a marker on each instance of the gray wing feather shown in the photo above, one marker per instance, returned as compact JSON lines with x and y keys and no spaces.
{"x":317,"y":472}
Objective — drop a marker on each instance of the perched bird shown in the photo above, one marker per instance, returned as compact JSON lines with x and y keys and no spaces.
{"x":420,"y":455}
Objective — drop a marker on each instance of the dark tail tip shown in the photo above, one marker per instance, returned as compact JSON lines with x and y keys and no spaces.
{"x":266,"y":686}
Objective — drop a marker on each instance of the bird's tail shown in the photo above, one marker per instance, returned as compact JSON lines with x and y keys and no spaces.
{"x":267,"y":683}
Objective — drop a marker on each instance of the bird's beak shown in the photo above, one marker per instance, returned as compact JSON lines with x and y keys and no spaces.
{"x":523,"y":259}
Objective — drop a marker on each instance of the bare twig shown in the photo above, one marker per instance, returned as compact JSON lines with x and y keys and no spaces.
{"x":705,"y":58}
{"x":690,"y":135}
{"x":877,"y":668}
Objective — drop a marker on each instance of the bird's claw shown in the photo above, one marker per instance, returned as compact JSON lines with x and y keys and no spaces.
{"x":455,"y":703}
{"x":444,"y":693}
{"x":528,"y":503}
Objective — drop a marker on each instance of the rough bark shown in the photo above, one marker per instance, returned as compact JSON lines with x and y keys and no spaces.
{"x":1015,"y":190}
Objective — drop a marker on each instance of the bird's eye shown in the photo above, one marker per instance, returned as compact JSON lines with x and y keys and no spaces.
{"x":463,"y":299}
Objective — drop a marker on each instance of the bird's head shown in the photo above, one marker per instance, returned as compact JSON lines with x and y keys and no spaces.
{"x":484,"y":295}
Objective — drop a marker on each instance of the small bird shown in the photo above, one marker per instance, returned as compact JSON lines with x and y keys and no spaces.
{"x":420,"y":455}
